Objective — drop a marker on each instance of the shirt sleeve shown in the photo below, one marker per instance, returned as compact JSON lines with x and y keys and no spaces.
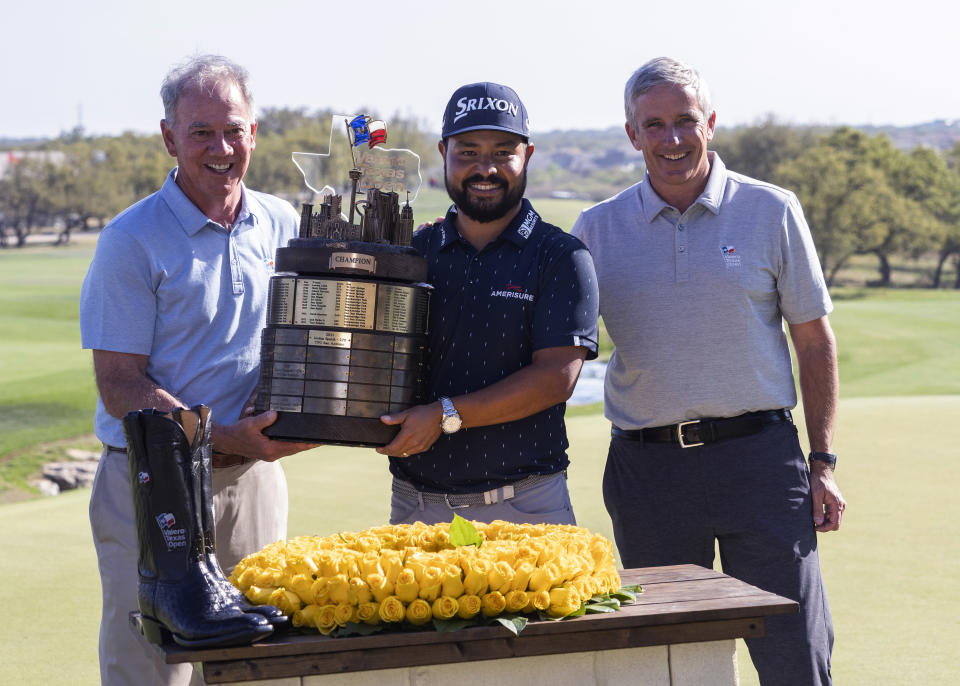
{"x":118,"y":298}
{"x":801,"y":289}
{"x":567,"y":303}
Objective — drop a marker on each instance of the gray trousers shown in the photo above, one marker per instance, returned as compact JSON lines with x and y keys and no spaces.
{"x":250,"y":505}
{"x":752,"y":496}
{"x":547,"y":502}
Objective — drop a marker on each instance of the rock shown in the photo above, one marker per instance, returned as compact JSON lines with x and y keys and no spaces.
{"x":46,"y":486}
{"x":70,"y":475}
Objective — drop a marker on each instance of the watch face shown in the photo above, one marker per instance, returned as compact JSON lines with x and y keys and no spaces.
{"x":451,"y":423}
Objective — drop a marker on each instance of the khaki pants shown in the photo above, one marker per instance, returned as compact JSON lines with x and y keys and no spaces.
{"x":250,"y":506}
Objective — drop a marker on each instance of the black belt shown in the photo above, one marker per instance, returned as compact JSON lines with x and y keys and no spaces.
{"x":696,"y":432}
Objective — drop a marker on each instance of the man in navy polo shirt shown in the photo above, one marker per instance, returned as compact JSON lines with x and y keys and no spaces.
{"x":513,"y":316}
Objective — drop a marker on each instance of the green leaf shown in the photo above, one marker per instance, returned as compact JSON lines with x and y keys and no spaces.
{"x":444,"y":626}
{"x":463,"y":532}
{"x":514,"y":624}
{"x":596,"y":608}
{"x":357,"y":629}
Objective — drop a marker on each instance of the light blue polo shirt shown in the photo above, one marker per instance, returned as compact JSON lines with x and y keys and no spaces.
{"x":695,"y":301}
{"x":169,"y":283}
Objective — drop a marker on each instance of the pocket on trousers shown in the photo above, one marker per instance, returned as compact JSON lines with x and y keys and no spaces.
{"x":401,"y":508}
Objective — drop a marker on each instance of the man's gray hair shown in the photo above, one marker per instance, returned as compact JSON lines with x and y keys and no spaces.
{"x":203,"y":72}
{"x":665,"y":70}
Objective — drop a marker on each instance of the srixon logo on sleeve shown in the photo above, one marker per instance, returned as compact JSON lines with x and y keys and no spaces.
{"x":175,"y":538}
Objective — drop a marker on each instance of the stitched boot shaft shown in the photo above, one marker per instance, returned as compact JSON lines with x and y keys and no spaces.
{"x":174,"y":593}
{"x":202,"y":459}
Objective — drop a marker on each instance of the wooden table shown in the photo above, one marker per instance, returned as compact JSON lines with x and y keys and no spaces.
{"x":680,"y":631}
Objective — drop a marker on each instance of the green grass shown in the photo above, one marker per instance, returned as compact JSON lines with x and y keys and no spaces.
{"x":46,"y":383}
{"x":891,"y":572}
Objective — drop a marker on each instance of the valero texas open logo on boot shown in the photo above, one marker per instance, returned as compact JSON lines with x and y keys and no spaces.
{"x":176,"y":538}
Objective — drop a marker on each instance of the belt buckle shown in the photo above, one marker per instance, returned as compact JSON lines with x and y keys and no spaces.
{"x":683,"y":443}
{"x":446,"y":498}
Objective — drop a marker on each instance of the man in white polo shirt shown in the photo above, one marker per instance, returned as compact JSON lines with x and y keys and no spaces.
{"x":698,"y":269}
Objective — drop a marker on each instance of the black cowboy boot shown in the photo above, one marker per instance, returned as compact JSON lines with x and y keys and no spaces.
{"x":196,"y":423}
{"x":175,"y":596}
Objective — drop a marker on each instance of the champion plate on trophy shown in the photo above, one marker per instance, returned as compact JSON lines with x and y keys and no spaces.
{"x":348,"y":310}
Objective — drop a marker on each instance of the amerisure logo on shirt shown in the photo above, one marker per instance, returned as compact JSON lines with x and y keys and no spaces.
{"x":512,"y":292}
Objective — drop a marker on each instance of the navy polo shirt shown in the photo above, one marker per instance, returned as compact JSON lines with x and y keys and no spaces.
{"x":532,"y":287}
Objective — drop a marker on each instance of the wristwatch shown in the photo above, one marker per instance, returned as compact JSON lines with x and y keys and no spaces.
{"x":450,"y":421}
{"x":827,"y":458}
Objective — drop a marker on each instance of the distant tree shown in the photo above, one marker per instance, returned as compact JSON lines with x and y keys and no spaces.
{"x":32,"y":192}
{"x":847,"y":203}
{"x":757,"y":150}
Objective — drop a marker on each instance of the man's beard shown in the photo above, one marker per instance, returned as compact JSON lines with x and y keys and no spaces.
{"x":485,"y":211}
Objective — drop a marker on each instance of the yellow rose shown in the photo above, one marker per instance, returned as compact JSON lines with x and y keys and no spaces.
{"x":245,"y":579}
{"x":344,"y":613}
{"x":302,"y":585}
{"x":407,"y":588}
{"x":338,"y":589}
{"x":430,"y":584}
{"x":540,"y":580}
{"x":325,"y":619}
{"x":392,"y":609}
{"x":267,"y":577}
{"x":287,"y":601}
{"x":492,"y":603}
{"x":368,"y":613}
{"x":392,"y":563}
{"x":320,"y":590}
{"x":419,"y":612}
{"x":370,"y":564}
{"x":500,"y":576}
{"x":452,"y":584}
{"x":563,"y":601}
{"x":379,"y":587}
{"x":258,"y":595}
{"x":469,"y":606}
{"x":445,"y":607}
{"x":475,"y":581}
{"x":537,"y":601}
{"x":306,"y":616}
{"x":359,"y":591}
{"x":522,"y":577}
{"x":516,"y":601}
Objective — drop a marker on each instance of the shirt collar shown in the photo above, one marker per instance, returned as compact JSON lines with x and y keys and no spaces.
{"x":191,"y":218}
{"x":711,"y":197}
{"x":517,"y":231}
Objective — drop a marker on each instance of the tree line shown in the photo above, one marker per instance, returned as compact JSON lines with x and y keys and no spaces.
{"x":861,"y":194}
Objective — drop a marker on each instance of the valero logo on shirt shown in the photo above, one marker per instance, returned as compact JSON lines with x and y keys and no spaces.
{"x":730,"y":257}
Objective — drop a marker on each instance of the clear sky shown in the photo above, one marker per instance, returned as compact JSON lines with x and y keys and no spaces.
{"x":100,"y":62}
